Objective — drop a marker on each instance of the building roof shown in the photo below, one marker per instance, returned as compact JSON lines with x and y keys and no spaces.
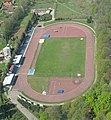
{"x":11,"y":68}
{"x":10,"y":9}
{"x":8,"y":79}
{"x":40,"y":10}
{"x":17,"y":59}
{"x":7,"y":3}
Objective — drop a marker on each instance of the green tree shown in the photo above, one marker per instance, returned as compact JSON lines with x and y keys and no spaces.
{"x":1,"y":91}
{"x":54,"y":112}
{"x":43,"y":115}
{"x":108,"y":116}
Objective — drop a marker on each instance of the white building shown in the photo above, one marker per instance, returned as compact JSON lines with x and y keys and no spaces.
{"x":7,"y":53}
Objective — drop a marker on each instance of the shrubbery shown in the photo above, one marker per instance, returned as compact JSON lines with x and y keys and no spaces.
{"x":45,"y":17}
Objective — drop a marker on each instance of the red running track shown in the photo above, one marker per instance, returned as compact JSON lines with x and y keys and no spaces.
{"x":64,"y":30}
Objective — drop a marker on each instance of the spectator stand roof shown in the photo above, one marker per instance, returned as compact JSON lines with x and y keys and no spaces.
{"x":17,"y":59}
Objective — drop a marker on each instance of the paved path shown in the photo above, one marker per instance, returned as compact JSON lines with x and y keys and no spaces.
{"x":13,"y":96}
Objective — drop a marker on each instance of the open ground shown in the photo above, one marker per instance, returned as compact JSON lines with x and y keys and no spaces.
{"x":73,"y":86}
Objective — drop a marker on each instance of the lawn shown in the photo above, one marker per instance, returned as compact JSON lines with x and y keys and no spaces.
{"x":61,"y":57}
{"x":38,"y":83}
{"x":67,"y":11}
{"x":72,"y":9}
{"x":44,"y":4}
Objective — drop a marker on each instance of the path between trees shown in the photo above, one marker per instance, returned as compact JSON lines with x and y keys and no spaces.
{"x":13,"y":96}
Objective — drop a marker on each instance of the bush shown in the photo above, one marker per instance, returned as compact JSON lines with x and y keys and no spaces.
{"x":45,"y":17}
{"x":89,"y":19}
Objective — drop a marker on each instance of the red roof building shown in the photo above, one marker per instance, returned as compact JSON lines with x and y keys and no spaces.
{"x":7,"y":3}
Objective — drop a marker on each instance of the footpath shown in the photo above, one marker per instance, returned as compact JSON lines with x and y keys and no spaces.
{"x":13,"y":97}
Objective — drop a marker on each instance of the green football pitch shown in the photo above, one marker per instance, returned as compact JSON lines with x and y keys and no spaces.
{"x":61,"y":57}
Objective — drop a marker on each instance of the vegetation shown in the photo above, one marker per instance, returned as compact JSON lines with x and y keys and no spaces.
{"x":44,"y":4}
{"x":45,"y":17}
{"x":34,"y":108}
{"x":39,"y":84}
{"x":72,"y":9}
{"x":8,"y":111}
{"x":61,"y":57}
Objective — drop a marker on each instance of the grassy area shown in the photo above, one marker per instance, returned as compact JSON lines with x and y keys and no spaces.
{"x":73,"y":8}
{"x":2,"y":66}
{"x":44,"y":4}
{"x":38,"y":83}
{"x":84,"y":21}
{"x":67,"y":12}
{"x":2,"y":45}
{"x":61,"y":57}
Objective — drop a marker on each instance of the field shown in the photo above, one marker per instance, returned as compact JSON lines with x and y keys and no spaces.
{"x":59,"y":57}
{"x":44,"y":4}
{"x":38,"y":83}
{"x":68,"y":11}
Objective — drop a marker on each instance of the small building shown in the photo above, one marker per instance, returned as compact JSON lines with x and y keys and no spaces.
{"x":42,"y":11}
{"x":7,"y":53}
{"x":7,"y":3}
{"x":11,"y":68}
{"x":10,"y":10}
{"x":8,"y":80}
{"x":41,"y":41}
{"x":44,"y":92}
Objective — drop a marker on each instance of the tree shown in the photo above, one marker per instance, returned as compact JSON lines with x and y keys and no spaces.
{"x":89,"y":19}
{"x":1,"y":90}
{"x":8,"y":28}
{"x":100,"y":116}
{"x":108,"y":116}
{"x":43,"y":115}
{"x":18,"y":14}
{"x":54,"y":112}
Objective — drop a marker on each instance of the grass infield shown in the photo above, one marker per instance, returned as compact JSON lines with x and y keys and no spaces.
{"x":61,"y":57}
{"x":38,"y":83}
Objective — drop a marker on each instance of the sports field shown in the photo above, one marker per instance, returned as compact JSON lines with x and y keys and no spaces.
{"x":63,"y":50}
{"x":61,"y":57}
{"x":38,"y":83}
